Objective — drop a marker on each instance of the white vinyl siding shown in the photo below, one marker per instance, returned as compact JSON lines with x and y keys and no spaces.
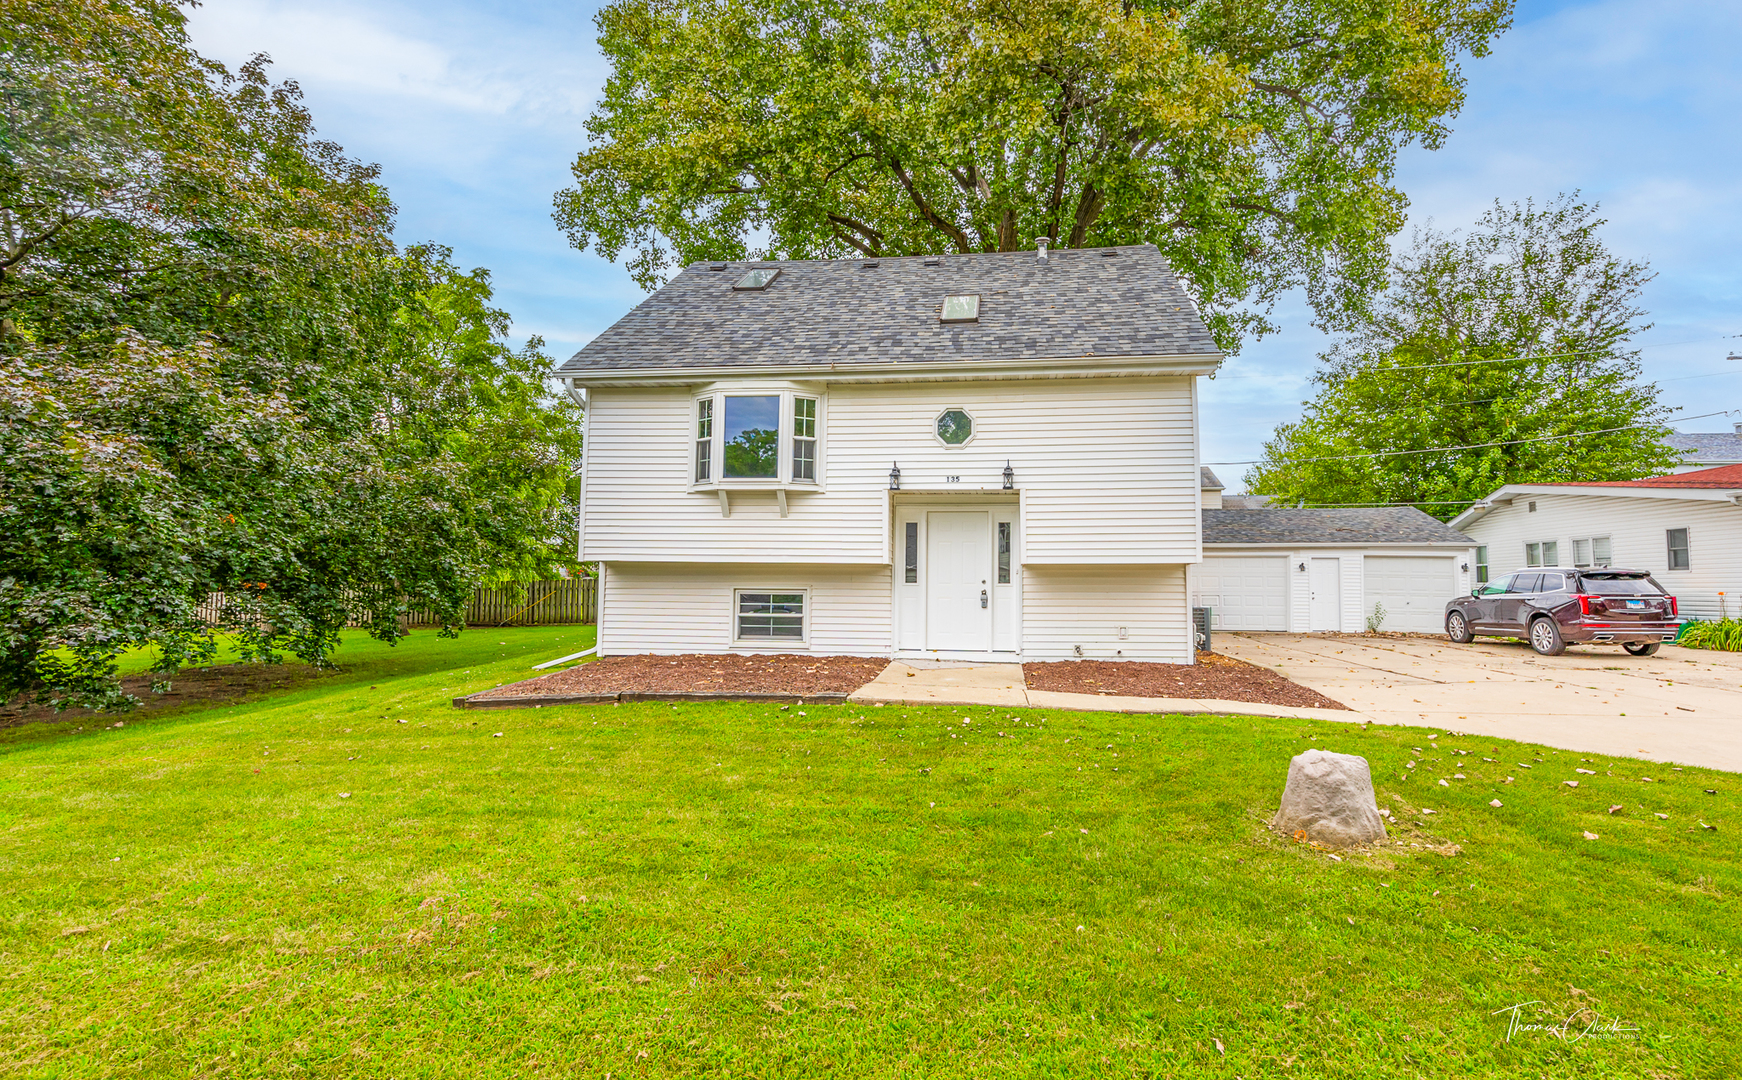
{"x":1105,"y":468}
{"x":680,"y":608}
{"x":1068,"y":607}
{"x":1637,"y":528}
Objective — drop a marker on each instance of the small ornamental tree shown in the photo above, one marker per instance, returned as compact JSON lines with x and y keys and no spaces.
{"x":1499,"y":356}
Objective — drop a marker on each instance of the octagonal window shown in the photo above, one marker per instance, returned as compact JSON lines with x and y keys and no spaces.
{"x":955,"y":427}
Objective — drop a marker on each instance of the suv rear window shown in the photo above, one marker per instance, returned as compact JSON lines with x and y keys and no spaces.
{"x":1618,"y":585}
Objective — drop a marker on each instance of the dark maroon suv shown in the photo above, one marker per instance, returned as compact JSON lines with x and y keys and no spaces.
{"x":1552,"y":606}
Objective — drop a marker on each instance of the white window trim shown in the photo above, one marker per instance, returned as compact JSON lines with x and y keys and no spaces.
{"x":803,"y":641}
{"x":1591,"y":541}
{"x":1542,"y":562}
{"x":1690,"y":550}
{"x":782,"y":478}
{"x":973,"y":427}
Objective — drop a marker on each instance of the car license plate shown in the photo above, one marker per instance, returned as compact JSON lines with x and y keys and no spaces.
{"x":1635,"y":604}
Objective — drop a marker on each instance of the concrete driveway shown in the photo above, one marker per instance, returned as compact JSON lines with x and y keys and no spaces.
{"x":1682,"y":705}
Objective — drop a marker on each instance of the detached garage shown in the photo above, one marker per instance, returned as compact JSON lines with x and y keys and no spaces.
{"x":1305,"y":570}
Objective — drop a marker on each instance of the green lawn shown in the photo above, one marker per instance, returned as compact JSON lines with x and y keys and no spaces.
{"x":734,"y":890}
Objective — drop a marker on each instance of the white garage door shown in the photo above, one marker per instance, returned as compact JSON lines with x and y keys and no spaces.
{"x":1413,"y":588}
{"x":1244,"y":592}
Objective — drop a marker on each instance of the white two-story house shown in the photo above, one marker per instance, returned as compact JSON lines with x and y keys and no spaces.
{"x":988,"y":456}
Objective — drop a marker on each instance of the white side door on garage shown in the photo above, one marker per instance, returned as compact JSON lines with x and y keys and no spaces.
{"x":1244,"y":592}
{"x":1413,"y":588}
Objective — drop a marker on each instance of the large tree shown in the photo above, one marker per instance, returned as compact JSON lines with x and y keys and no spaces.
{"x":218,"y":373}
{"x":1496,"y":356}
{"x":1252,"y":141}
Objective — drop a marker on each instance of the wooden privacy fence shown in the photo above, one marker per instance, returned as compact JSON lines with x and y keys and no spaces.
{"x":546,"y":603}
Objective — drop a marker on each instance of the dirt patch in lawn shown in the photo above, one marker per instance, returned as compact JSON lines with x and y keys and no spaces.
{"x":1213,"y":676}
{"x":221,"y":685}
{"x":694,"y":673}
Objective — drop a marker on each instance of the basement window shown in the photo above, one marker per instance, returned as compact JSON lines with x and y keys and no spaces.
{"x":757,"y":279}
{"x":769,"y":617}
{"x":961,"y":309}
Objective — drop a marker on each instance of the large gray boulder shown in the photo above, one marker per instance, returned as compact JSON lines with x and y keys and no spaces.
{"x":1330,"y":798}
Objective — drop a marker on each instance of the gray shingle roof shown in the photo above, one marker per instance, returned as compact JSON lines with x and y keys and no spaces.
{"x":1379,"y":525}
{"x":1207,"y":480}
{"x":1707,"y":448}
{"x":1082,"y":303}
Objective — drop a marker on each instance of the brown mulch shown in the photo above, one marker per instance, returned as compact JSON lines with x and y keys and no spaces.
{"x":695,"y":673}
{"x":221,"y":685}
{"x":1213,"y":676}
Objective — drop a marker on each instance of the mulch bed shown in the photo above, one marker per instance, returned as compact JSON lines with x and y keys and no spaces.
{"x":692,"y":673}
{"x":224,"y":684}
{"x":1213,"y":676}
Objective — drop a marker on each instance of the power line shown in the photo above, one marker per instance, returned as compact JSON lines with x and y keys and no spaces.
{"x":1507,"y":359}
{"x":1473,"y":446}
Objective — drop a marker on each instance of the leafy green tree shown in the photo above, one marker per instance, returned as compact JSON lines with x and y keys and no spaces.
{"x":218,"y":374}
{"x":1500,"y":343}
{"x":755,"y":452}
{"x":1252,"y":141}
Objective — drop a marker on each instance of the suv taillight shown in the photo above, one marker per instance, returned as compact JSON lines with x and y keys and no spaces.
{"x":1584,"y":603}
{"x":1673,"y":609}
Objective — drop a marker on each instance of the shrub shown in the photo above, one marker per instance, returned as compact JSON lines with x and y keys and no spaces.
{"x":1725,"y":634}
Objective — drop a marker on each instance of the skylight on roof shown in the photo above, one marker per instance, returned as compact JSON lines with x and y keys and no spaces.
{"x":961,"y":309}
{"x":759,"y":278}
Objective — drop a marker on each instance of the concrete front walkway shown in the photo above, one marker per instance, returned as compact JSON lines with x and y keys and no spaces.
{"x":1682,"y":705}
{"x":931,"y":682}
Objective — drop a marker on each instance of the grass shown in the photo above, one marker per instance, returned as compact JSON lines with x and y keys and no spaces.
{"x":733,"y":890}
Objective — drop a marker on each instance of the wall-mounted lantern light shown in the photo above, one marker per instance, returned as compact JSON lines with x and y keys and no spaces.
{"x":1465,"y":568}
{"x":895,"y":476}
{"x":1301,"y":568}
{"x":1009,"y":476}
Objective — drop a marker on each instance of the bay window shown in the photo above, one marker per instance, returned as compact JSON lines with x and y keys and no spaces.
{"x":740,"y":435}
{"x":704,"y":440}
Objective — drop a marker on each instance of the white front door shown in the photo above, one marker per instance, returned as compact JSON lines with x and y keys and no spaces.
{"x":958,"y":581}
{"x":1325,"y":607}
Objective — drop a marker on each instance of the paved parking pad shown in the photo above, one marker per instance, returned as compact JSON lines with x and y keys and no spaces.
{"x":1682,"y":705}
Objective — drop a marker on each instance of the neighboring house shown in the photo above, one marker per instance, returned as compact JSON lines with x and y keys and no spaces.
{"x":974,"y":456}
{"x":1307,"y":570}
{"x":1706,"y":450}
{"x":1209,"y":488}
{"x":1686,"y":528}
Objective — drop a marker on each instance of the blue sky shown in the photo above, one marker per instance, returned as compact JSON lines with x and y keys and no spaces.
{"x":475,"y":111}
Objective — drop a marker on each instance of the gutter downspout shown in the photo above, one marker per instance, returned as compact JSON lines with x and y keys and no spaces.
{"x":579,"y":397}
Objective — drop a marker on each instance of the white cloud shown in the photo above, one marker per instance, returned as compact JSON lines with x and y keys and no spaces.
{"x":355,"y":49}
